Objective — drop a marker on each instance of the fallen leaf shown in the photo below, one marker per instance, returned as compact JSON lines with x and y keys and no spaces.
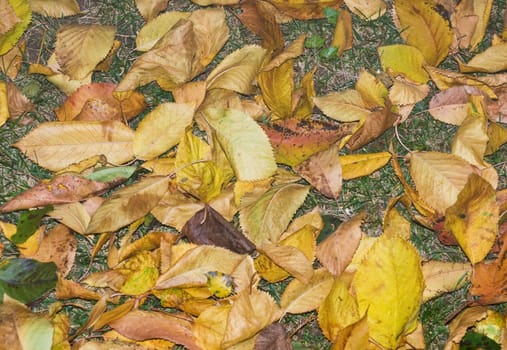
{"x":209,"y":227}
{"x":369,"y":9}
{"x":141,"y":325}
{"x":358,"y":165}
{"x":354,"y":336}
{"x":10,"y":62}
{"x":442,"y":277}
{"x":343,"y":35}
{"x":55,"y":8}
{"x":403,"y":59}
{"x":150,"y":9}
{"x":473,"y":219}
{"x":323,"y":171}
{"x":497,"y":136}
{"x":157,"y":27}
{"x":459,"y":325}
{"x":55,"y":145}
{"x":389,"y":285}
{"x":13,"y":31}
{"x":375,"y":124}
{"x":277,"y":86}
{"x":491,"y":60}
{"x":273,"y":337}
{"x":302,"y":9}
{"x":423,"y":27}
{"x":470,"y":20}
{"x":268,"y":217}
{"x":451,"y":105}
{"x":17,"y":102}
{"x":344,"y":106}
{"x":141,"y":273}
{"x":128,"y":204}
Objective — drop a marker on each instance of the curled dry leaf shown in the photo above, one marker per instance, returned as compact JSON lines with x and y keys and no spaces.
{"x":375,"y":124}
{"x":459,"y":325}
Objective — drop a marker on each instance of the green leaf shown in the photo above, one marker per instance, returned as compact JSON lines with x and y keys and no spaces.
{"x":247,"y":147}
{"x":111,"y":174}
{"x":331,"y":15}
{"x":328,"y":52}
{"x":28,"y":223}
{"x":26,"y":279}
{"x":315,"y":42}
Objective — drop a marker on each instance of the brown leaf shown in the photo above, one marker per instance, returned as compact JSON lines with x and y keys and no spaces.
{"x":343,"y":34}
{"x":142,"y":325}
{"x":17,"y":102}
{"x":323,"y":171}
{"x":207,"y":226}
{"x":273,"y":337}
{"x":375,"y":125}
{"x":489,"y":281}
{"x":257,"y":17}
{"x":66,"y":188}
{"x":305,"y":9}
{"x":450,"y":106}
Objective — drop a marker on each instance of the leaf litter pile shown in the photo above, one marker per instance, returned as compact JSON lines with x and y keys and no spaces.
{"x":196,"y":205}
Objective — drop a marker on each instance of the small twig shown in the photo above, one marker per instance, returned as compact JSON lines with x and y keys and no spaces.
{"x":399,"y":139}
{"x":303,"y":324}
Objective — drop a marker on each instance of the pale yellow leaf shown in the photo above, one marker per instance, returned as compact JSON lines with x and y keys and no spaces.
{"x":244,"y":143}
{"x":238,"y":70}
{"x":268,"y":217}
{"x":394,"y":223}
{"x":209,"y":327}
{"x":404,"y":92}
{"x":423,"y":27}
{"x":442,"y":277}
{"x":56,"y":145}
{"x":367,"y":9}
{"x":338,"y":310}
{"x":289,"y":258}
{"x":491,"y":60}
{"x":80,"y":48}
{"x":55,"y":8}
{"x":389,"y":285}
{"x":451,"y":105}
{"x":128,"y":204}
{"x":362,"y":164}
{"x":336,"y":251}
{"x":497,"y":136}
{"x":344,"y":106}
{"x":161,"y":129}
{"x":439,"y":177}
{"x":156,"y":28}
{"x":4,"y":105}
{"x":150,"y":8}
{"x":403,"y":59}
{"x":323,"y":171}
{"x":300,"y":297}
{"x":473,"y":219}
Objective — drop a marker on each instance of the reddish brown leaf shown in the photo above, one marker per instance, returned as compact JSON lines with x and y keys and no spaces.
{"x":296,"y":140}
{"x":66,"y":188}
{"x":99,"y":97}
{"x":207,"y":226}
{"x":142,"y":325}
{"x":375,"y":125}
{"x":273,"y":337}
{"x":489,"y":281}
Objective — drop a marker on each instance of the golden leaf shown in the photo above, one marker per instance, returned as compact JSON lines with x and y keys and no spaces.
{"x":491,"y":60}
{"x":55,"y":145}
{"x":141,"y":273}
{"x":161,"y":129}
{"x":423,"y":27}
{"x":343,"y":106}
{"x":301,"y":297}
{"x":473,"y":219}
{"x":403,"y":59}
{"x":268,"y":217}
{"x":372,"y":90}
{"x":4,"y":105}
{"x":277,"y":86}
{"x":11,"y":33}
{"x":389,"y":285}
{"x":80,"y":48}
{"x":358,"y":165}
{"x":343,"y":36}
{"x":156,"y":28}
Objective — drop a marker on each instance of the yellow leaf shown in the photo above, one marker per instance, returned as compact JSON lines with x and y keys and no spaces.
{"x":268,"y":217}
{"x":30,"y":246}
{"x":344,"y":106}
{"x":300,"y":297}
{"x":497,"y":136}
{"x":150,"y":8}
{"x":342,"y":38}
{"x":323,"y":171}
{"x":161,"y":129}
{"x":276,"y":87}
{"x":156,"y":28}
{"x":336,"y":251}
{"x":389,"y":286}
{"x":471,"y":139}
{"x":357,"y":165}
{"x":473,"y":219}
{"x":219,"y":284}
{"x":372,"y":90}
{"x":72,"y":215}
{"x":338,"y":310}
{"x":367,"y":9}
{"x":209,"y":327}
{"x":56,"y":145}
{"x":55,"y":8}
{"x":80,"y":48}
{"x":238,"y":70}
{"x":404,"y":92}
{"x":250,"y":313}
{"x":355,"y":336}
{"x":394,"y":223}
{"x":244,"y":143}
{"x":4,"y":105}
{"x":442,"y":277}
{"x":141,"y":273}
{"x":439,"y":177}
{"x":423,"y":27}
{"x":271,"y":267}
{"x":491,"y":60}
{"x":403,"y":59}
{"x":10,"y":37}
{"x":128,"y":204}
